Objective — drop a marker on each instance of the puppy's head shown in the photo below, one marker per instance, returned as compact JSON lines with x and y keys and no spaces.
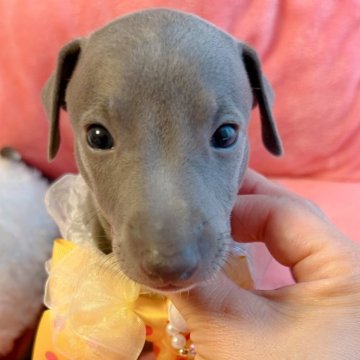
{"x":159,"y":103}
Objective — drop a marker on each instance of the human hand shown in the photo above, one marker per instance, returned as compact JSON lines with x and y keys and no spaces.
{"x":316,"y":318}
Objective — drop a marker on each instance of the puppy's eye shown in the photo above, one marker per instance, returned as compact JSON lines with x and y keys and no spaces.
{"x":99,"y":137}
{"x":225,"y":136}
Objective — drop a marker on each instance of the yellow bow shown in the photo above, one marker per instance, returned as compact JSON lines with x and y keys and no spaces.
{"x":97,"y":312}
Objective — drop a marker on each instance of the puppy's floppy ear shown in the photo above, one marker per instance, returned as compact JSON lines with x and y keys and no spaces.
{"x":263,"y":96}
{"x":53,"y":94}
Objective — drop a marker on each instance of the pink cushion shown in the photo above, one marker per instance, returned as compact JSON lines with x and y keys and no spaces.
{"x":309,"y":49}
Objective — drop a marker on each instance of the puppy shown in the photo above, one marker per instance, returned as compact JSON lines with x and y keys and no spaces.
{"x":159,"y":103}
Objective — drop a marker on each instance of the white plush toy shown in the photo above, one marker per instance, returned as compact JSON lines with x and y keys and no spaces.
{"x":26,"y":238}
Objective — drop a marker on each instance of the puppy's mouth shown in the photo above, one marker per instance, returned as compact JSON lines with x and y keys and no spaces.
{"x":170,"y":288}
{"x":163,"y":286}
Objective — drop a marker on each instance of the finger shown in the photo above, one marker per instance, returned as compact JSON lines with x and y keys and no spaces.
{"x":215,"y":310}
{"x":217,"y":296}
{"x":255,"y":183}
{"x":295,"y":234}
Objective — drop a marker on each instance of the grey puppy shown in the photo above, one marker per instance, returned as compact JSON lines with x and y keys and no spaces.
{"x":159,"y":103}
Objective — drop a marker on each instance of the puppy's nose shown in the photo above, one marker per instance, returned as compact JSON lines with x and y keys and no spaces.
{"x":178,"y":267}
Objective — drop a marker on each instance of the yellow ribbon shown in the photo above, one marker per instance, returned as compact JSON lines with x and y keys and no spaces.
{"x":97,"y":312}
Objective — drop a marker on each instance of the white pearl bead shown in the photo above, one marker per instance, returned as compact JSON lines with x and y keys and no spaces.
{"x":178,"y":341}
{"x":170,"y":330}
{"x":177,"y":320}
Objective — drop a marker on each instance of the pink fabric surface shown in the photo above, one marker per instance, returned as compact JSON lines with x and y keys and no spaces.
{"x":309,"y":49}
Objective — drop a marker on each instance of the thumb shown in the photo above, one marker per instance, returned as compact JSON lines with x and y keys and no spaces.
{"x":216,"y":310}
{"x":209,"y":301}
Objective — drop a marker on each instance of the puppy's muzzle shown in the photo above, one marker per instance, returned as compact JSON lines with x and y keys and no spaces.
{"x":166,"y":249}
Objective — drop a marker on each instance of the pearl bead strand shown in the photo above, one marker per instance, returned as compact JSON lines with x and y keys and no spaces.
{"x":177,"y":330}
